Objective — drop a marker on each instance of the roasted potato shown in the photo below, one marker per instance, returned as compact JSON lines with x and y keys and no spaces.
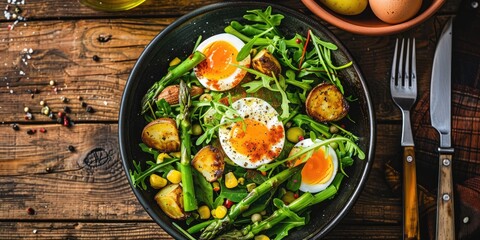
{"x":209,"y":162}
{"x":170,"y":93}
{"x":266,"y":63}
{"x":170,"y":200}
{"x":325,"y":103}
{"x":162,"y":134}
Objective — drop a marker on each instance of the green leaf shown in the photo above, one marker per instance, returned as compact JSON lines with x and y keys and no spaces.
{"x":203,"y":189}
{"x":265,"y":17}
{"x":293,"y":184}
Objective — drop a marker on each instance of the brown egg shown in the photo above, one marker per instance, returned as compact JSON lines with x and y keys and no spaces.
{"x":395,"y":11}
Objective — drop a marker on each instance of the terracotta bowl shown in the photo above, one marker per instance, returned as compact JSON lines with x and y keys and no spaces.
{"x":367,"y":23}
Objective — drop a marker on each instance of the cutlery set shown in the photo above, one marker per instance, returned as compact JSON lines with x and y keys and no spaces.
{"x":403,"y":88}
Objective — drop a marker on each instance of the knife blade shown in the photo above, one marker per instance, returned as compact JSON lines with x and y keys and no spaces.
{"x":440,"y":115}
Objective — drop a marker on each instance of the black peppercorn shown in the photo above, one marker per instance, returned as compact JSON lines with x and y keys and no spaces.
{"x":71,"y":148}
{"x":31,"y":131}
{"x":15,"y":127}
{"x":83,"y":104}
{"x":89,"y":109}
{"x":96,"y":58}
{"x":66,"y":109}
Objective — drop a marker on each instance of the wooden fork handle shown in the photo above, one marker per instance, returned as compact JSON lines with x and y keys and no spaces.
{"x":411,"y":223}
{"x":445,"y":207}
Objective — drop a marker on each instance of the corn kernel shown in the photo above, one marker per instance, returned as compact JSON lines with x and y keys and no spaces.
{"x":262,"y":237}
{"x":176,"y":154}
{"x":220,"y":212}
{"x":288,"y":197}
{"x":174,"y":62}
{"x":216,"y":186}
{"x":230,"y":180}
{"x":157,"y":182}
{"x":204,"y":212}
{"x":161,"y":157}
{"x":251,"y":186}
{"x":241,"y":181}
{"x":174,"y":176}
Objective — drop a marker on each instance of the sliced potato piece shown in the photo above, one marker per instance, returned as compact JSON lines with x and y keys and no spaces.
{"x":170,"y":200}
{"x":170,"y":93}
{"x":325,"y":103}
{"x":209,"y":162}
{"x":266,"y":63}
{"x":162,"y":134}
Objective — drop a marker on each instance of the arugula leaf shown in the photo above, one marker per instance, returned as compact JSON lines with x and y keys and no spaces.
{"x":148,"y":149}
{"x":271,"y":21}
{"x":245,"y":51}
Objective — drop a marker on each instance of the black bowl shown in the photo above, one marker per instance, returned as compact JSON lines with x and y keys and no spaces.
{"x":178,"y":40}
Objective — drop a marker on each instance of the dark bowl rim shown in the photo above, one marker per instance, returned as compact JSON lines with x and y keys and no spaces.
{"x":128,"y":86}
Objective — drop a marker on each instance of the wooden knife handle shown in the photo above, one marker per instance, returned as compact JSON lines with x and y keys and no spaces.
{"x":411,"y":224}
{"x":445,"y":207}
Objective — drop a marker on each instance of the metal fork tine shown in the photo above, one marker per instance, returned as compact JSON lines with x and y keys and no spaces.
{"x":414,"y":67}
{"x":400,"y":66}
{"x":406,"y":75}
{"x":394,"y":65}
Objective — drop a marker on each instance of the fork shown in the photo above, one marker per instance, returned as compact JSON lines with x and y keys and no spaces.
{"x":403,"y":87}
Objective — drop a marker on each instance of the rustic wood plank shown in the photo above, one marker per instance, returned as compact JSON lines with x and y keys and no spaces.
{"x":58,"y":55}
{"x":38,"y":171}
{"x":51,"y":9}
{"x":150,"y":230}
{"x":90,"y":183}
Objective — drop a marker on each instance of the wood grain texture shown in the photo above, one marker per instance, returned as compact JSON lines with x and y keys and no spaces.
{"x":150,"y":230}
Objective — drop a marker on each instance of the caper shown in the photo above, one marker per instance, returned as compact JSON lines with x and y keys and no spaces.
{"x":197,"y":129}
{"x":333,"y":129}
{"x":294,"y":134}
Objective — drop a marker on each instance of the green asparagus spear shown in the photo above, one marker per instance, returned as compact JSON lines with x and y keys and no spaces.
{"x":304,"y":201}
{"x":189,"y":200}
{"x":237,"y":209}
{"x":185,"y":66}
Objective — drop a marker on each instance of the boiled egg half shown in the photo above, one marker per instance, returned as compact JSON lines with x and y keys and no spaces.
{"x":219,"y":71}
{"x":257,"y":139}
{"x":319,"y":170}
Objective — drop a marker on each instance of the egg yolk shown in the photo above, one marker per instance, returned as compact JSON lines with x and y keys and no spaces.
{"x":318,"y":169}
{"x":255,"y":140}
{"x":220,"y":60}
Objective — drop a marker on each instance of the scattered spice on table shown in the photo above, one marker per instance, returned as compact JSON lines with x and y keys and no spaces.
{"x":13,"y":11}
{"x":71,"y":148}
{"x":30,"y":211}
{"x":15,"y":127}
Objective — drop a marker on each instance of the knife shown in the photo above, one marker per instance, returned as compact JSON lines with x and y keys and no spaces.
{"x":440,"y":115}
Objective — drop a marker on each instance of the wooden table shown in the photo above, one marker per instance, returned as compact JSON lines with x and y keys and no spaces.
{"x":65,"y":50}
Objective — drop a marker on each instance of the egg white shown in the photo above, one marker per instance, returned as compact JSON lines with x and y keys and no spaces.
{"x":314,"y":188}
{"x":256,"y":109}
{"x":233,"y":79}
